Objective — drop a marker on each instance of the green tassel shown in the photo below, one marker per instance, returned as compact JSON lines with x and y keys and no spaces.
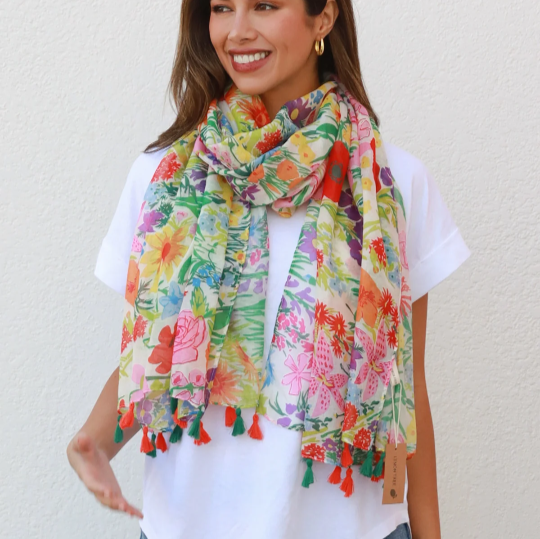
{"x":239,"y":427}
{"x":153,"y":452}
{"x":367,"y":467}
{"x":176,"y":435}
{"x":118,"y":433}
{"x":378,"y":469}
{"x":308,"y":476}
{"x":174,"y":405}
{"x":195,"y":428}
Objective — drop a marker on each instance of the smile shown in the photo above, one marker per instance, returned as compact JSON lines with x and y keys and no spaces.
{"x":249,"y":62}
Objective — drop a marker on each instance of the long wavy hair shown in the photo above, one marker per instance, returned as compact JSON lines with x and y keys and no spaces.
{"x":198,"y":75}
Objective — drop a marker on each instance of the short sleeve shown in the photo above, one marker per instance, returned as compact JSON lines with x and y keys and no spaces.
{"x":435,"y":246}
{"x":113,"y":257}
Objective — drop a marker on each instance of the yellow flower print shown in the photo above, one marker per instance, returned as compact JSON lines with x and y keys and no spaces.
{"x":347,"y":133}
{"x":367,"y":206}
{"x":378,"y":140}
{"x":240,"y":256}
{"x":245,"y":235}
{"x":166,"y":252}
{"x":366,"y":184}
{"x":365,"y":162}
{"x":298,"y":139}
{"x":236,"y":213}
{"x":243,"y":155}
{"x":306,"y":154}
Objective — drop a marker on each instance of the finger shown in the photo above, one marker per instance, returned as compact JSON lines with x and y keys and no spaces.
{"x":119,"y":503}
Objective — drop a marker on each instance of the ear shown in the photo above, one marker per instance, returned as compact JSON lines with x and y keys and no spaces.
{"x":327,"y":18}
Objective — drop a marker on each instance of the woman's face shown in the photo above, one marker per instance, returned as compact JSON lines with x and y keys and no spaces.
{"x":265,"y":46}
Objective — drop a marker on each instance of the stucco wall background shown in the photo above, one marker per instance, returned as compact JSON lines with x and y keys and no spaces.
{"x":83,"y":91}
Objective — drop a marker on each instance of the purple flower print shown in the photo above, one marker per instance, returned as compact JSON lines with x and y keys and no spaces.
{"x":302,"y":107}
{"x":258,"y":287}
{"x":290,"y":408}
{"x":307,"y":243}
{"x":284,"y":421}
{"x":386,"y":176}
{"x":329,"y":444}
{"x":301,"y":415}
{"x":250,"y":192}
{"x":291,"y":283}
{"x":356,"y":354}
{"x":356,"y":251}
{"x":244,"y":287}
{"x":150,"y":219}
{"x":304,"y":294}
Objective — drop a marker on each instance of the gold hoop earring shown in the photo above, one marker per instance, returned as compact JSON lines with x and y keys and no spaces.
{"x":319,"y":46}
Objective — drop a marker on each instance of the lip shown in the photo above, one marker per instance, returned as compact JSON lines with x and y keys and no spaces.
{"x":252,"y":66}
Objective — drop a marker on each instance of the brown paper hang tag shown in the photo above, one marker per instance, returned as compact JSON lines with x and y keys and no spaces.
{"x":395,"y":462}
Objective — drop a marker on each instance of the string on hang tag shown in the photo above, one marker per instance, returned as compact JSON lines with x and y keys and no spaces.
{"x":396,"y":453}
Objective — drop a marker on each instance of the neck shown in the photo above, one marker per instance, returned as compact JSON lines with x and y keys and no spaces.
{"x":302,"y":84}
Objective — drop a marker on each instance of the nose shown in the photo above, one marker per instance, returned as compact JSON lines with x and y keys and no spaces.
{"x":242,"y":29}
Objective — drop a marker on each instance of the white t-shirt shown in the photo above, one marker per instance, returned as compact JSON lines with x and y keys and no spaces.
{"x":240,"y":488}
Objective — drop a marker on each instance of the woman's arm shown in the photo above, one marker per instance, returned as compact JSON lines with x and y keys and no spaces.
{"x":93,"y":447}
{"x":421,"y":469}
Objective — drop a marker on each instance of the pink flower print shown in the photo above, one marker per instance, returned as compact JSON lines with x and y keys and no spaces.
{"x":138,"y":376}
{"x":282,"y":321}
{"x":403,"y":250}
{"x":280,"y":342}
{"x":302,"y":326}
{"x":294,"y":336}
{"x":179,"y":380}
{"x":298,"y":373}
{"x":255,"y":256}
{"x":190,"y":334}
{"x":181,"y":215}
{"x":308,"y":346}
{"x":392,"y":437}
{"x":136,"y":245}
{"x":323,"y":383}
{"x":197,"y":378}
{"x":374,"y":368}
{"x":293,"y":318}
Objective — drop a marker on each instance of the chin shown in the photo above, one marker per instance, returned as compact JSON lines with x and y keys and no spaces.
{"x":253,"y":85}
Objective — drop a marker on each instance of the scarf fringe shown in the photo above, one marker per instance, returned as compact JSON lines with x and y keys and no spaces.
{"x":230,"y":416}
{"x":348,"y":484}
{"x":308,"y":475}
{"x":335,"y":476}
{"x":239,"y":427}
{"x":255,"y":429}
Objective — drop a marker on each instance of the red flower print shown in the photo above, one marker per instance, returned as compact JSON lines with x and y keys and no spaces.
{"x":167,"y":168}
{"x":337,"y":325}
{"x":386,"y":303}
{"x":351,"y":415}
{"x":394,"y":315}
{"x":320,"y":258}
{"x":391,"y":338}
{"x":270,"y":141}
{"x":126,"y":338}
{"x":162,"y":353}
{"x":362,"y":439}
{"x":323,"y":384}
{"x":336,"y":347}
{"x":378,"y":246}
{"x":321,"y":313}
{"x":314,"y":451}
{"x":139,"y":328}
{"x":374,"y":367}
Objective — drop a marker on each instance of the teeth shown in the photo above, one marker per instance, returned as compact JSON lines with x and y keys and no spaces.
{"x":248,"y":58}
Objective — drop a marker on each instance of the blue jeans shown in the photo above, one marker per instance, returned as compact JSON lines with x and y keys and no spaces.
{"x":401,"y":532}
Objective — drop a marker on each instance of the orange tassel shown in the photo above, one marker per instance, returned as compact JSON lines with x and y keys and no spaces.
{"x":120,"y":406}
{"x":146,"y":444}
{"x":335,"y":476}
{"x":127,"y":418}
{"x":348,"y":484}
{"x":346,"y":459}
{"x":180,"y":422}
{"x":204,"y":437}
{"x":230,"y":416}
{"x":255,"y":429}
{"x":161,"y":443}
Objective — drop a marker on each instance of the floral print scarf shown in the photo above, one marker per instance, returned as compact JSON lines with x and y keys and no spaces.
{"x":193,"y":331}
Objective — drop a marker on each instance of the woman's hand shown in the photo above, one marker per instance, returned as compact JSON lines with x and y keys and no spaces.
{"x":94,"y":470}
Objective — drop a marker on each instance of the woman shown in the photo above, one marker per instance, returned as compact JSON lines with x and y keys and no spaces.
{"x":275,"y":151}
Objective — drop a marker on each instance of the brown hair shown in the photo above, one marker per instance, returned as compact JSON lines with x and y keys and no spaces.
{"x":198,"y":76}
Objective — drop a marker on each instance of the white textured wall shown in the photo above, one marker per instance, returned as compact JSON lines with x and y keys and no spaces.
{"x":83,"y":90}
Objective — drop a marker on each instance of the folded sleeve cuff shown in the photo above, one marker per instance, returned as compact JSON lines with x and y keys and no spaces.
{"x":111,"y":269}
{"x":438,"y":265}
